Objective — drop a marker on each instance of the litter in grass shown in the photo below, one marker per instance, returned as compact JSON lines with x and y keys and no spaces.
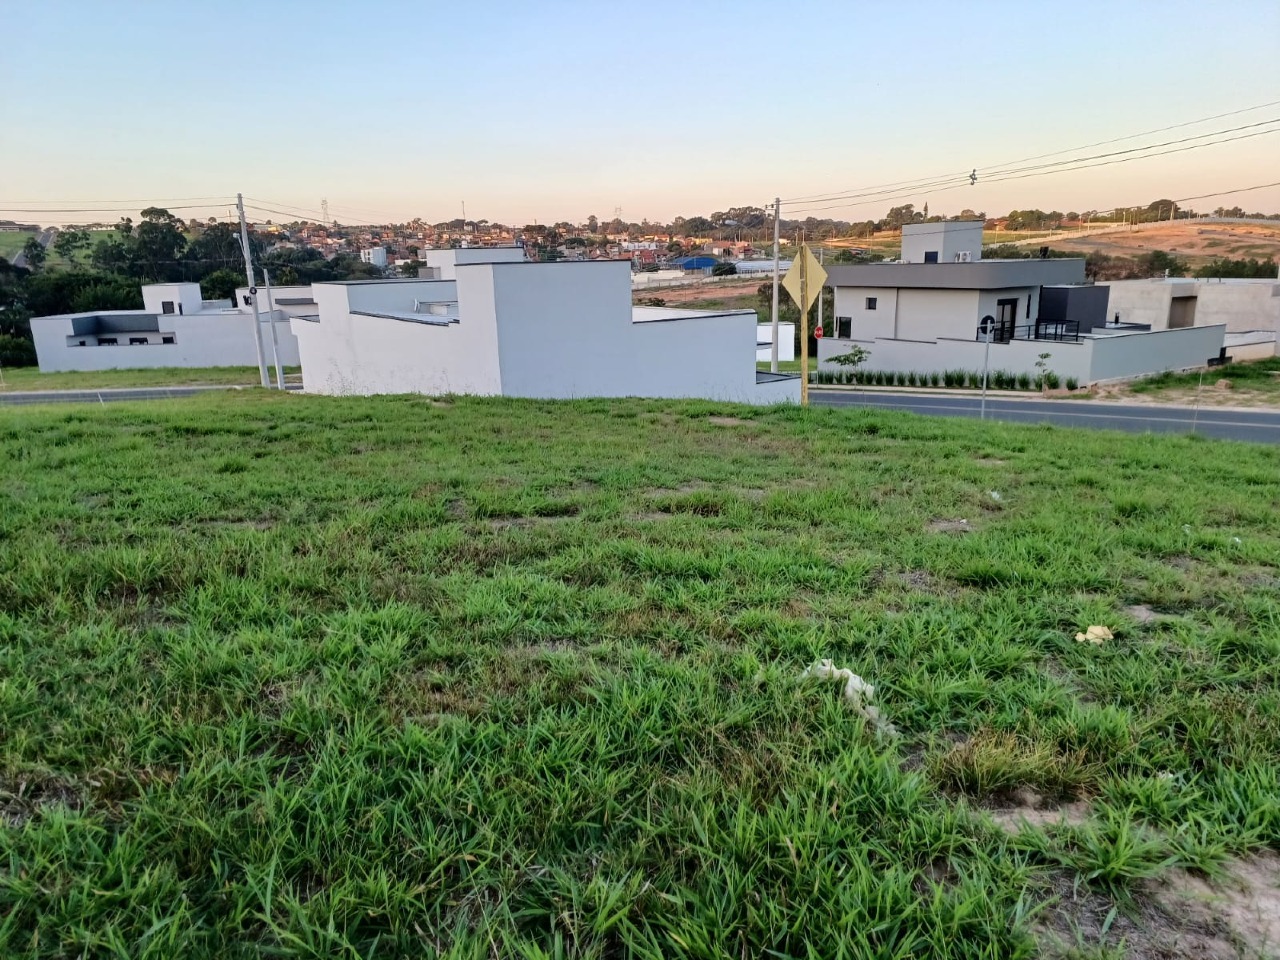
{"x":949,"y":526}
{"x":857,"y":692}
{"x":995,"y":495}
{"x":1095,"y":635}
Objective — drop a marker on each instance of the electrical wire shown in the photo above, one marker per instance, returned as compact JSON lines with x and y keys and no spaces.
{"x":1040,"y":173}
{"x":1041,"y":156}
{"x":997,"y":176}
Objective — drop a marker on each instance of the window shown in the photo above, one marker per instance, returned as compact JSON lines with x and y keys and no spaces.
{"x":107,"y":341}
{"x":931,"y":256}
{"x":138,"y":341}
{"x":166,"y":306}
{"x":844,"y":328}
{"x":166,"y":339}
{"x":84,"y":343}
{"x":871,"y":303}
{"x":1028,"y":306}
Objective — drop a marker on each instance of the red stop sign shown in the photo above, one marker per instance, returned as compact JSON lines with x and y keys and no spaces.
{"x":817,"y":333}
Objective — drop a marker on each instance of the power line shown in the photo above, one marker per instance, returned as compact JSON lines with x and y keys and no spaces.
{"x":1226,"y":193}
{"x":944,"y":177}
{"x":194,"y":206}
{"x":1040,"y":173}
{"x":997,"y":176}
{"x":153,"y":202}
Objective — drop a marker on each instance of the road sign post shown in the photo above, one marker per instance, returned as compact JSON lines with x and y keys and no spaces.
{"x":804,"y":281}
{"x":988,"y":328}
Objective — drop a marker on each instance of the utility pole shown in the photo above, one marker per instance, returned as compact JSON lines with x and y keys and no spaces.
{"x":275,"y":339}
{"x":253,"y":292}
{"x":773,"y":354}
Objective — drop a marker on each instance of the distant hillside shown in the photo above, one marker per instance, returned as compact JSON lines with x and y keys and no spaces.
{"x":1196,"y":242}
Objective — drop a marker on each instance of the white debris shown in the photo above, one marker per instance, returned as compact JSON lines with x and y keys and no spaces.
{"x":1094,"y":635}
{"x":1186,"y":528}
{"x":995,"y":495}
{"x":1236,"y":540}
{"x":857,"y":692}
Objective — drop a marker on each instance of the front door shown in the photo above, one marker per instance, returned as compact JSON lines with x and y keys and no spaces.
{"x":1006,"y":318}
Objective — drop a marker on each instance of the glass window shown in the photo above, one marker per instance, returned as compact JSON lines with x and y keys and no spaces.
{"x":844,"y":328}
{"x":871,"y":303}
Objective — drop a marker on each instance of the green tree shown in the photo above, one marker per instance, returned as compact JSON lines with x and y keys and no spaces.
{"x":69,"y":242}
{"x":221,"y":284}
{"x":34,"y":253}
{"x":218,"y":246}
{"x":160,"y":243}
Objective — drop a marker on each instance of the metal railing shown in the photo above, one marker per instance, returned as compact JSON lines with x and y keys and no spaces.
{"x":1060,"y":331}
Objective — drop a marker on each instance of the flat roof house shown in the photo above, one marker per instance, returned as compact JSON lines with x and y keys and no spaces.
{"x":175,"y":328}
{"x":519,"y":329}
{"x":926,"y":314}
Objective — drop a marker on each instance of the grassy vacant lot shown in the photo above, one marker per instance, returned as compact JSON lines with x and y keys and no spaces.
{"x":18,"y":379}
{"x":314,"y":677}
{"x":1251,"y":384}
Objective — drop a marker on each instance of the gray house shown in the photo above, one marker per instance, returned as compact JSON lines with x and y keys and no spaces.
{"x":927,"y":313}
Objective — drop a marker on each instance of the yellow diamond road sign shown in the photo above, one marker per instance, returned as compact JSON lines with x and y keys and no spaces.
{"x":805,"y":279}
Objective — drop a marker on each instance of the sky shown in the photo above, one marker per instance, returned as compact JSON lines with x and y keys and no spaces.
{"x":560,"y":109}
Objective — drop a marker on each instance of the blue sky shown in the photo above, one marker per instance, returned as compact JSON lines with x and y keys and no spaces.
{"x":558,"y":109}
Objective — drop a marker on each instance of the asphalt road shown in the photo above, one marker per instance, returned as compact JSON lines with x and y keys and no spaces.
{"x":18,"y":398}
{"x":1258,"y":426}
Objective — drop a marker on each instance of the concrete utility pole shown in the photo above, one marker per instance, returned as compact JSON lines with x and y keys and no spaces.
{"x":253,"y":292}
{"x":275,"y":338}
{"x":777,"y":222}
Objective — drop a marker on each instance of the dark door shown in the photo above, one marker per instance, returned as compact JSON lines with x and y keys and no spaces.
{"x":1006,"y":317}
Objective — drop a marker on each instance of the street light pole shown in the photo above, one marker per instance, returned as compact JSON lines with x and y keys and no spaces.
{"x":773,"y":353}
{"x":253,"y":293}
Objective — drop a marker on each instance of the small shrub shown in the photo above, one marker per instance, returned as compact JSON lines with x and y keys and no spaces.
{"x":1038,"y":382}
{"x":997,"y":762}
{"x":1024,"y":381}
{"x":934,"y":379}
{"x":1051,"y":380}
{"x":1073,"y":383}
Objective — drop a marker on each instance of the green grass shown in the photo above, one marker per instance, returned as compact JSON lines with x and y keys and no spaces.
{"x":787,"y":366}
{"x":303,"y":677}
{"x":11,"y":243}
{"x":30,"y":378}
{"x":1259,"y":377}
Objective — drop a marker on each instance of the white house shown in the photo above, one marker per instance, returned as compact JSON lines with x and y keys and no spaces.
{"x":926,"y":314}
{"x":175,"y":328}
{"x":374,"y":255}
{"x":509,"y":327}
{"x":443,"y":264}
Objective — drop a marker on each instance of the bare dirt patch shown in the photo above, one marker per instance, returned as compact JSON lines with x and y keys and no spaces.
{"x":1246,"y":899}
{"x":20,"y":800}
{"x":730,"y":421}
{"x":918,"y":579}
{"x":1142,"y":613}
{"x":991,"y":462}
{"x":949,"y":526}
{"x":1029,"y":810}
{"x":1079,"y":917}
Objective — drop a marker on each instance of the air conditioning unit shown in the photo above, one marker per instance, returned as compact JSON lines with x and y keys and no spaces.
{"x":964,"y":256}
